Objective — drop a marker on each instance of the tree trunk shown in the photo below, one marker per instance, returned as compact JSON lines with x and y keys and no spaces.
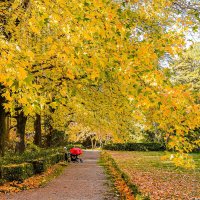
{"x":92,"y":142}
{"x":2,"y":127}
{"x":48,"y":130}
{"x":100,"y":143}
{"x":7,"y":133}
{"x":21,"y":125}
{"x":49,"y":136}
{"x":95,"y":143}
{"x":38,"y":131}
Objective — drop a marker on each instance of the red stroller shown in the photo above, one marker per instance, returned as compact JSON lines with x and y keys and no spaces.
{"x":74,"y":154}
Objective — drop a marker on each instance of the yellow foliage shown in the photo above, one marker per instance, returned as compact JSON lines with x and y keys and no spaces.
{"x":92,"y":57}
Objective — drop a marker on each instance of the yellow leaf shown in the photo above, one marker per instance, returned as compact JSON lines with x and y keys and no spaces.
{"x":22,"y":74}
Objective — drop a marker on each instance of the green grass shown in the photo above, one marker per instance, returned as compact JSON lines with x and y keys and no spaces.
{"x":140,"y":160}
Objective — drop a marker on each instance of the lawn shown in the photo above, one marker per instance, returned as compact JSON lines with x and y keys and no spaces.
{"x":159,"y":179}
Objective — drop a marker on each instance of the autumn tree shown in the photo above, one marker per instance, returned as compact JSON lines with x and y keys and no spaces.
{"x":101,"y":57}
{"x":44,"y":51}
{"x":185,"y":71}
{"x":186,"y":68}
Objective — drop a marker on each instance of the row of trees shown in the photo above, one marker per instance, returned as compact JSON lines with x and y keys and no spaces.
{"x":95,"y":64}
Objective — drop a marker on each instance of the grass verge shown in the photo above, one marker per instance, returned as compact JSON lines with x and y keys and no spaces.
{"x":127,"y":190}
{"x":159,"y":179}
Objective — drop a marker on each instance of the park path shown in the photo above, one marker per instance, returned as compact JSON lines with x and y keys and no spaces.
{"x":79,"y":181}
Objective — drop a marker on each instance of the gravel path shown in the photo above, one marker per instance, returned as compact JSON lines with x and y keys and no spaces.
{"x":79,"y":181}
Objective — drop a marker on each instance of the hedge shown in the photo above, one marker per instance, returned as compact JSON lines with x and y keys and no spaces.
{"x":134,"y":147}
{"x":40,"y":165}
{"x":16,"y":172}
{"x":11,"y":158}
{"x":24,"y":170}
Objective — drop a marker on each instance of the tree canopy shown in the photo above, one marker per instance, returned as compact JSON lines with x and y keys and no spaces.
{"x":97,"y":63}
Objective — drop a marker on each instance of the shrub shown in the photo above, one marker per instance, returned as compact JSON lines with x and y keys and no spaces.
{"x":41,"y":164}
{"x":27,"y":156}
{"x":21,"y":167}
{"x":134,"y":147}
{"x":32,"y":148}
{"x":16,"y":172}
{"x":55,"y":158}
{"x":60,"y":157}
{"x":2,"y":181}
{"x":52,"y":159}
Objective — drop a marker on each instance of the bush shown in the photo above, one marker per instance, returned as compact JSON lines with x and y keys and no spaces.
{"x":21,"y":171}
{"x":2,"y":181}
{"x":39,"y":166}
{"x":55,"y":158}
{"x":60,"y":157}
{"x":32,"y":148}
{"x":17,"y":172}
{"x":52,"y":159}
{"x":134,"y":147}
{"x":28,"y":156}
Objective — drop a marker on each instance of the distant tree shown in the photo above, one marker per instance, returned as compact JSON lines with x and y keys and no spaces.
{"x":186,"y":68}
